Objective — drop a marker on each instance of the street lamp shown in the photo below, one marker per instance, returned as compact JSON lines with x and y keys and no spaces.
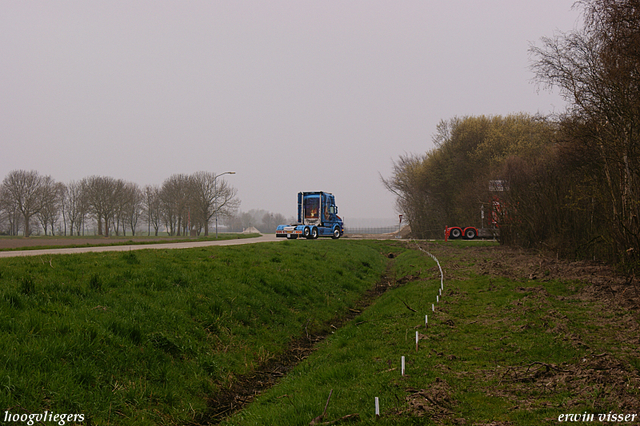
{"x":215,"y":188}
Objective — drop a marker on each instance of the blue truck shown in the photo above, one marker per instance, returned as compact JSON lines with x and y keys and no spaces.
{"x":317,"y":217}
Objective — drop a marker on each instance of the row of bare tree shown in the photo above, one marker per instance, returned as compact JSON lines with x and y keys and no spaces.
{"x":571,"y":183}
{"x":183,"y":203}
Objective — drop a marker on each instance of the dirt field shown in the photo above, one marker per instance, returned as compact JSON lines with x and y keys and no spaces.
{"x":603,"y":377}
{"x":15,"y":243}
{"x":605,"y":284}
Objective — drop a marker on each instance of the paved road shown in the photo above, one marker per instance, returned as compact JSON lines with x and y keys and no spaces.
{"x":262,"y":239}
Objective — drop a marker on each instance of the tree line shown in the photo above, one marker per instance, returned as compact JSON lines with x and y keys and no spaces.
{"x":568,"y":183}
{"x":181,"y":205}
{"x":262,"y":220}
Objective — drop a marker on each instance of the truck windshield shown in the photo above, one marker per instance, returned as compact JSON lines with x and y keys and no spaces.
{"x":311,"y":207}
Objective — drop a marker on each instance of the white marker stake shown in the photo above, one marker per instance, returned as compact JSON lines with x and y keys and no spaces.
{"x":433,"y":307}
{"x":426,"y":321}
{"x":437,"y":299}
{"x":377,"y":407}
{"x":403,"y":365}
{"x":417,"y":339}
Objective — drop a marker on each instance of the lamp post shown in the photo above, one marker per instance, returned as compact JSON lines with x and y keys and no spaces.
{"x":215,"y":188}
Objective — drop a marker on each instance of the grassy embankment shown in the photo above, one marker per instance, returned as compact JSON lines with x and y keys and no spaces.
{"x":145,"y":337}
{"x":497,"y":350}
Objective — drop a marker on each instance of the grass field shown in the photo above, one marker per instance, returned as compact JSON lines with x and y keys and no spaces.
{"x":151,"y":336}
{"x":497,"y":351}
{"x":145,"y":337}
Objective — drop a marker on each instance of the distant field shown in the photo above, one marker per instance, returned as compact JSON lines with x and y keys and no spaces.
{"x":40,"y":242}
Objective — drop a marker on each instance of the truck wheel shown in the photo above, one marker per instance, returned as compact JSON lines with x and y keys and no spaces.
{"x":314,"y":233}
{"x":291,"y":237}
{"x":336,"y":233}
{"x":470,"y":234}
{"x":307,"y":232}
{"x":455,"y":233}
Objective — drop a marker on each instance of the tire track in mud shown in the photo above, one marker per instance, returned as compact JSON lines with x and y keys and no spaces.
{"x":245,"y":388}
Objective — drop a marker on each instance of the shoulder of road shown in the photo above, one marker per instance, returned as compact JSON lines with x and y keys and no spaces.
{"x":159,"y":246}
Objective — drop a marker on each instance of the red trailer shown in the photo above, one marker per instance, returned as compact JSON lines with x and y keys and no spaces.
{"x":455,"y":232}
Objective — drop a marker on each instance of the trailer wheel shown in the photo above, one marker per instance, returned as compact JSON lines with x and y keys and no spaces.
{"x":307,"y":232}
{"x":314,"y":233}
{"x":455,"y":233}
{"x":336,"y":233}
{"x":469,"y":234}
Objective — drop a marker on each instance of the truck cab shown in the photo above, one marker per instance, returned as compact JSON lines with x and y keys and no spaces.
{"x":317,"y":217}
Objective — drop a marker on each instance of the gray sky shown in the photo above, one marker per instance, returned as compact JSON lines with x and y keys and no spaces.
{"x":292,"y":95}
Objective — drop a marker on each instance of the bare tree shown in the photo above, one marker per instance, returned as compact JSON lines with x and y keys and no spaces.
{"x":153,"y":212}
{"x":126,"y":206}
{"x":413,"y":196}
{"x":133,"y":207}
{"x":26,"y":192}
{"x":74,"y":206}
{"x":6,"y":224}
{"x":597,"y":69}
{"x":102,"y":200}
{"x":212,"y":197}
{"x":183,"y":202}
{"x":52,"y":193}
{"x":175,"y":195}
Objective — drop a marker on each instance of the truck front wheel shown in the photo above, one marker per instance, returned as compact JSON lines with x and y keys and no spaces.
{"x":336,"y":233}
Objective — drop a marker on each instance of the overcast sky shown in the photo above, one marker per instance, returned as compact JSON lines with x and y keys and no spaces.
{"x":291,"y":95}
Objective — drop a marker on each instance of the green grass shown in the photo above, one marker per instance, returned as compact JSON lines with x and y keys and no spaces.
{"x":145,"y":337}
{"x":148,"y":337}
{"x":483,"y":357}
